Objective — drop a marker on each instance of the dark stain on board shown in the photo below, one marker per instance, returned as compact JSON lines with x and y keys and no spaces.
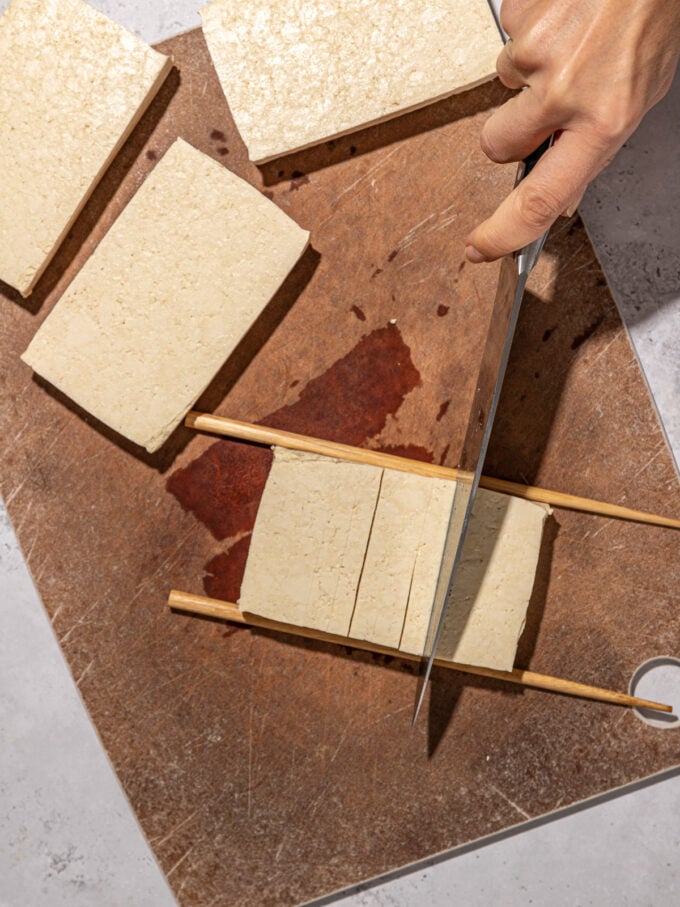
{"x":547,"y":334}
{"x":222,"y":150}
{"x":151,"y":155}
{"x":409,"y":451}
{"x":588,"y":333}
{"x":224,"y":573}
{"x":443,"y":409}
{"x":393,"y":254}
{"x":298,"y":179}
{"x":358,"y":312}
{"x":350,"y":402}
{"x":443,"y":310}
{"x":217,"y":135}
{"x":223,"y":487}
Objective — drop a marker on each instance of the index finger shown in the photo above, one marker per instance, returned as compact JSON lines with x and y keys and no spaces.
{"x":556,"y":182}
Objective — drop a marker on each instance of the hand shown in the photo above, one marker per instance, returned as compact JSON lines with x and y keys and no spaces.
{"x":592,"y":68}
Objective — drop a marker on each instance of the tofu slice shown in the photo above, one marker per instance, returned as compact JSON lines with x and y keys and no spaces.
{"x":429,"y":551}
{"x":388,"y":575}
{"x":296,"y":74}
{"x":494,"y":583}
{"x":166,"y":296}
{"x":309,"y":541}
{"x":73,"y":85}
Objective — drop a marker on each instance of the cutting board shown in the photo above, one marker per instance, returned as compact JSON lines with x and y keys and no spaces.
{"x":268,"y":770}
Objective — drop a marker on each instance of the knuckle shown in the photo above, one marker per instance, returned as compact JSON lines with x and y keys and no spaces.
{"x":538,"y":206}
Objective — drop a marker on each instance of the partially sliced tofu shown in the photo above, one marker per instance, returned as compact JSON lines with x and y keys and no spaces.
{"x":73,"y":85}
{"x":297,"y":74}
{"x":309,"y":541}
{"x":388,"y":576}
{"x":166,"y":297}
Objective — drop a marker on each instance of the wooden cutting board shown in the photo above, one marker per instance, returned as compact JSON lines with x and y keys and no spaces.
{"x":268,"y":770}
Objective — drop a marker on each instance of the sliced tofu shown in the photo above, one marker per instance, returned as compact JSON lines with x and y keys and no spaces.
{"x":428,"y":557}
{"x":296,"y":74}
{"x":305,"y":569}
{"x":309,"y":541}
{"x":494,"y":583}
{"x":73,"y":85}
{"x":387,"y":579}
{"x":166,"y":297}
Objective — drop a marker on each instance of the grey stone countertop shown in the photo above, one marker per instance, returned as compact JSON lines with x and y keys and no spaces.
{"x":67,"y":833}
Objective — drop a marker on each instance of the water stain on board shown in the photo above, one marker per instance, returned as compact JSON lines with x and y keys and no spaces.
{"x":350,"y":402}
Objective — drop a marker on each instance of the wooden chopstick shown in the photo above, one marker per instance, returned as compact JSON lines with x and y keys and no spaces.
{"x":246,"y":431}
{"x":211,"y":607}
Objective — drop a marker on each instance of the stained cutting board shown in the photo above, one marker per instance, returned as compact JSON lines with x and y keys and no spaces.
{"x":266,"y":770}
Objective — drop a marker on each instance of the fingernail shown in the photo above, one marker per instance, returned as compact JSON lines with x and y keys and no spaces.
{"x":474,"y":255}
{"x":571,"y":210}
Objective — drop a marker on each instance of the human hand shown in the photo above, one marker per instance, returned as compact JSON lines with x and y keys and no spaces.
{"x":592,"y":68}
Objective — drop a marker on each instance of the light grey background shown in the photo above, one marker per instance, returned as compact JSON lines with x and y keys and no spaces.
{"x":67,"y":834}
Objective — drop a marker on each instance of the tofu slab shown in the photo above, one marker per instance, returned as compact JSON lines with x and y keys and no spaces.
{"x":306,"y":569}
{"x":72,"y":86}
{"x":297,"y":73}
{"x":309,"y":541}
{"x":166,"y":296}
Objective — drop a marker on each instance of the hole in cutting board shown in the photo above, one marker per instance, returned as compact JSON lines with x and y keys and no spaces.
{"x":658,"y":679}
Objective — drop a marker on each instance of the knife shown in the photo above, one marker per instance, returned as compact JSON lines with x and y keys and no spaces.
{"x":514,"y":272}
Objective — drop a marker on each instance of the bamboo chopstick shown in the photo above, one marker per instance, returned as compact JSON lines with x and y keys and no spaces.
{"x":211,"y":607}
{"x":246,"y":431}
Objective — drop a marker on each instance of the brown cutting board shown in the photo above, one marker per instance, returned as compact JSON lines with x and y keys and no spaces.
{"x":266,"y":770}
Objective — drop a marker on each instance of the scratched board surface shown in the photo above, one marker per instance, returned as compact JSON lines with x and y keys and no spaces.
{"x":268,"y":770}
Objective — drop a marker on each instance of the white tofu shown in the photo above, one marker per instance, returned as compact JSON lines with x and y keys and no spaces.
{"x":166,"y":297}
{"x":73,"y":85}
{"x":297,"y":73}
{"x":429,"y":551}
{"x":388,"y":575}
{"x":493,"y":586}
{"x":305,"y":569}
{"x":309,"y":541}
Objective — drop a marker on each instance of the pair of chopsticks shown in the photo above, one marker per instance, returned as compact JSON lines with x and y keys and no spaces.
{"x":246,"y":431}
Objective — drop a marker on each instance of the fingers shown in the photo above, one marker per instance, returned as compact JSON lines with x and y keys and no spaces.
{"x":516,"y":128}
{"x":507,"y":69}
{"x":555,"y":185}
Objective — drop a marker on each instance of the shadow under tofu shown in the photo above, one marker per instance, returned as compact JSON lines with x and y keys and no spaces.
{"x":98,"y":201}
{"x":380,"y":135}
{"x":248,"y":347}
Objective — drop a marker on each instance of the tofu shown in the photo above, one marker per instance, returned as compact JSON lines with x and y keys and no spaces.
{"x":495,"y":580}
{"x":166,"y":297}
{"x":309,"y":541}
{"x":305,"y":569}
{"x":73,"y":85}
{"x":297,"y":74}
{"x":388,"y":577}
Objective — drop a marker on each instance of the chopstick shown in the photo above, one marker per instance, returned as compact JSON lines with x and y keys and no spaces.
{"x":246,"y":431}
{"x":211,"y":607}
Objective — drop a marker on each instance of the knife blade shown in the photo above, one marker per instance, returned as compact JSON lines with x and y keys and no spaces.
{"x":513,"y":277}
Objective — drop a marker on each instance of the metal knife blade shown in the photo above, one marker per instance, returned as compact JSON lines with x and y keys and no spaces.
{"x":514,"y":273}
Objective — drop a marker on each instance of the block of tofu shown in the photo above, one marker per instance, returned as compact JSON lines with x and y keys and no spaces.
{"x":73,"y":85}
{"x":167,"y":295}
{"x":309,"y":541}
{"x":296,"y":74}
{"x":303,"y":571}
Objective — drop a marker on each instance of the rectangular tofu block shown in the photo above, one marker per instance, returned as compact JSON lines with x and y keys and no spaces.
{"x":166,"y":297}
{"x":305,"y":569}
{"x":297,"y":74}
{"x":309,"y":541}
{"x":73,"y":85}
